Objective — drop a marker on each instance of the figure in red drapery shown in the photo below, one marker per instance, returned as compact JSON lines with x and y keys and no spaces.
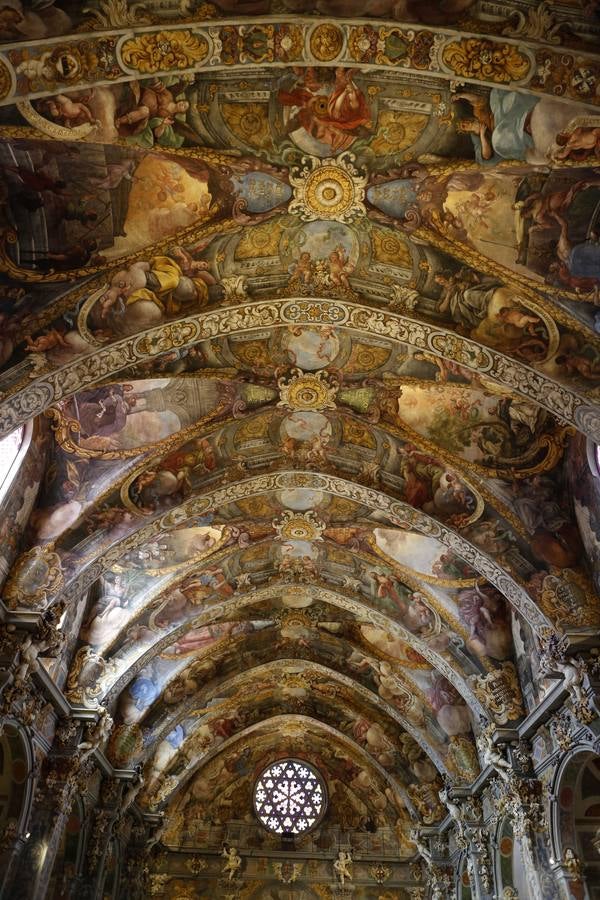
{"x":331,"y":118}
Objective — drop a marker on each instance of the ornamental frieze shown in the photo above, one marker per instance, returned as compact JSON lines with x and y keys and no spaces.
{"x":37,"y":70}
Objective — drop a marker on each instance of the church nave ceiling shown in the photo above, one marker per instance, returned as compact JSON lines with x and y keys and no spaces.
{"x":303,"y":301}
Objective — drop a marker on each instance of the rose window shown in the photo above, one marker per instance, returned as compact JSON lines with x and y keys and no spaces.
{"x":289,"y":797}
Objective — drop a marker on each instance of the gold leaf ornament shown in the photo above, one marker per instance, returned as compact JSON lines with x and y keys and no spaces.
{"x":164,"y":51}
{"x":486,"y":60}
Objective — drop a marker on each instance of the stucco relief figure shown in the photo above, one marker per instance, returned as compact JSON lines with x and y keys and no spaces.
{"x":233,"y":862}
{"x":422,"y":848}
{"x":343,"y":866}
{"x":553,"y":662}
{"x":97,"y":734}
{"x":491,"y":756}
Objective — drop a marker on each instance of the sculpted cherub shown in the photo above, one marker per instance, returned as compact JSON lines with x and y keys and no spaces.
{"x":233,"y":862}
{"x":97,"y":734}
{"x":31,"y":649}
{"x":343,"y":866}
{"x":456,"y":812}
{"x":422,"y":848}
{"x":553,"y":661}
{"x":490,"y":756}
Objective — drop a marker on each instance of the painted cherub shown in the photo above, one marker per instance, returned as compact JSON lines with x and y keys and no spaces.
{"x":303,"y":269}
{"x":340,"y":267}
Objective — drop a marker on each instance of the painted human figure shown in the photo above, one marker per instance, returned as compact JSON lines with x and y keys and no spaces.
{"x":511,"y":125}
{"x":331,"y":118}
{"x":339,"y":268}
{"x":151,"y":120}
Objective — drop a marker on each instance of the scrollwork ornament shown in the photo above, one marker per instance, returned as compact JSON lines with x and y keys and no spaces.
{"x":562,"y":730}
{"x":484,"y":60}
{"x":84,"y":684}
{"x":164,"y":51}
{"x":36,"y":577}
{"x":537,"y":22}
{"x":522,"y":757}
{"x":500,"y":692}
{"x":196,"y":865}
{"x":480,"y":860}
{"x":287,"y":872}
{"x":380,"y":873}
{"x":107,"y":361}
{"x":26,"y":405}
{"x":99,"y":837}
{"x":441,"y":884}
{"x":157,"y":883}
{"x":9,"y":836}
{"x":522,"y":800}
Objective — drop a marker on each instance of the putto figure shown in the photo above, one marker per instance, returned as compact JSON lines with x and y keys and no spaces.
{"x":233,"y":862}
{"x":343,"y":866}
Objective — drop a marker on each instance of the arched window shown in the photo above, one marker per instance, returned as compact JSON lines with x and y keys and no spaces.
{"x":10,"y":457}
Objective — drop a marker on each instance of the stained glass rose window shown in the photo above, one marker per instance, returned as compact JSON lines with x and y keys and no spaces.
{"x":290,"y":797}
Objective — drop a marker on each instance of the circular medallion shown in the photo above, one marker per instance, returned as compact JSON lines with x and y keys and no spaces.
{"x":329,"y":192}
{"x":290,"y":797}
{"x":326,"y":42}
{"x":308,"y":391}
{"x":332,"y":189}
{"x":299,"y":526}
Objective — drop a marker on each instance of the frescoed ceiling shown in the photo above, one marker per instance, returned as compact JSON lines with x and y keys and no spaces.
{"x":304,"y":300}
